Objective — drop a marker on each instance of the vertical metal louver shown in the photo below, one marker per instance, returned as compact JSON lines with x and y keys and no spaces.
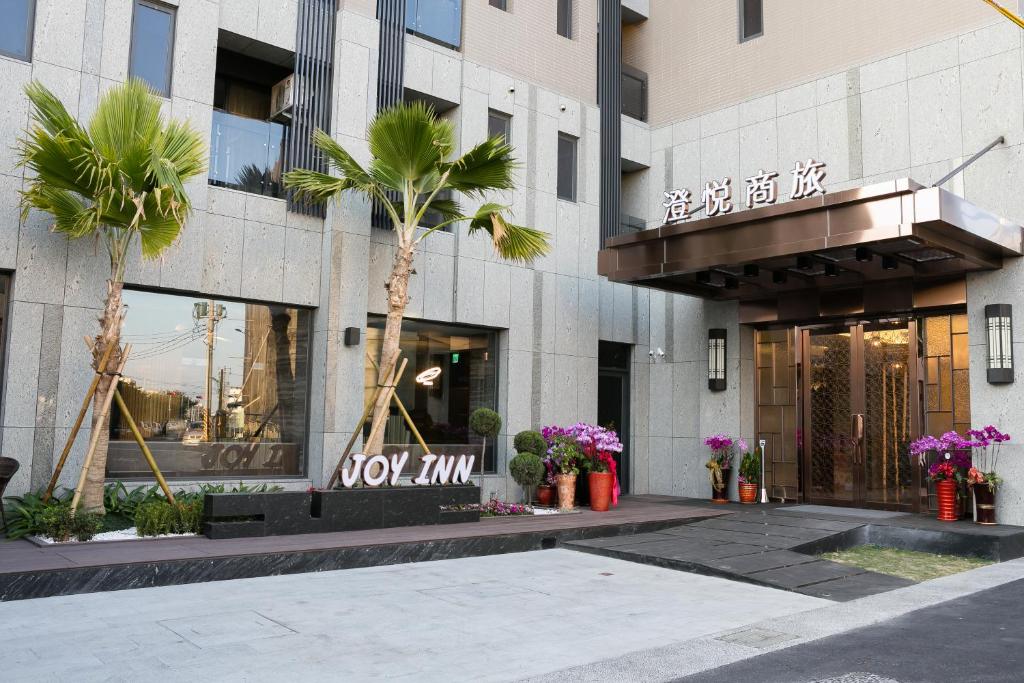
{"x":609,"y":85}
{"x":390,"y":72}
{"x":314,"y":72}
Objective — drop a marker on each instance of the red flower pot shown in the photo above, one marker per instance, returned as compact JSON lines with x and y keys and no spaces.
{"x":945,"y":490}
{"x":601,"y":485}
{"x":545,"y":495}
{"x":748,"y":493}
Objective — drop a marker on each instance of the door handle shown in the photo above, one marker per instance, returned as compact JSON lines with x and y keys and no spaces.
{"x":857,"y":433}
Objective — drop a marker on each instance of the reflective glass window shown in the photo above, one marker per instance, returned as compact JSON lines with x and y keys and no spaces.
{"x":217,"y":388}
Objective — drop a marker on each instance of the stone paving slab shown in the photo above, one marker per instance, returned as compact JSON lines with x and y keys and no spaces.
{"x":748,"y":564}
{"x":855,"y":586}
{"x":805,"y":574}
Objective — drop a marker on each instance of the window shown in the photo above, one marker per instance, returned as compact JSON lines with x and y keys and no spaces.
{"x":499,"y":123}
{"x":500,"y":4}
{"x":634,"y":93}
{"x":152,"y":45}
{"x":218,"y":388}
{"x":751,"y":19}
{"x":440,"y":409}
{"x":566,"y":167}
{"x":564,"y":18}
{"x":16,"y":28}
{"x":439,"y":21}
{"x":247,"y":147}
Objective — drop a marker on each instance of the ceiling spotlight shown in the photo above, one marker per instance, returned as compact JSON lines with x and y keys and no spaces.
{"x":732,"y":283}
{"x":751,"y":270}
{"x":804,"y":262}
{"x":704,"y":277}
{"x":831,"y":270}
{"x":889,"y":263}
{"x":779,"y":277}
{"x":863,"y":254}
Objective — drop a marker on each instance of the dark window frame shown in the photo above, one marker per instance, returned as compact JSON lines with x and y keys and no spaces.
{"x":573,"y":194}
{"x":171,"y":37}
{"x":641,"y":77}
{"x":494,"y":114}
{"x":30,"y":36}
{"x":742,"y":23}
{"x":499,"y":4}
{"x":563,"y":18}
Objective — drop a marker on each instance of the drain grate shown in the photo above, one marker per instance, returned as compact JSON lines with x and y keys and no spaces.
{"x":760,"y":638}
{"x":858,"y":677}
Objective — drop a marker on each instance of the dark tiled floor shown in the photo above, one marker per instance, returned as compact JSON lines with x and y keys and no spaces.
{"x":755,"y":545}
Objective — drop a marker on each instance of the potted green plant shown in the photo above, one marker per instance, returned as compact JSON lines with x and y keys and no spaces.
{"x":530,"y":441}
{"x":750,"y":474}
{"x":719,"y":466}
{"x":527,"y":469}
{"x":566,"y":456}
{"x":982,"y":477}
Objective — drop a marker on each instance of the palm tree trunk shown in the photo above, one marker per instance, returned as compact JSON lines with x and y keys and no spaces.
{"x":110,"y":334}
{"x":398,"y":298}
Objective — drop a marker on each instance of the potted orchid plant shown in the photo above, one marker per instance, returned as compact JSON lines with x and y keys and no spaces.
{"x":982,"y":476}
{"x":565,"y":455}
{"x":599,"y":447}
{"x":948,"y":471}
{"x":720,"y":465}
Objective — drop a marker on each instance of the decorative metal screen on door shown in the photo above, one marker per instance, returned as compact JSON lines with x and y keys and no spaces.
{"x":888,"y":475}
{"x":831,"y":445}
{"x":947,"y":389}
{"x":777,"y":421}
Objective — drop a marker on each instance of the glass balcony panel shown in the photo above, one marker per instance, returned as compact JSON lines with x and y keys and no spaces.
{"x":436,"y":20}
{"x":247,"y":154}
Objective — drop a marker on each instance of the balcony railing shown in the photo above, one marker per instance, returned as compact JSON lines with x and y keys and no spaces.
{"x":628,"y":224}
{"x":439,"y":21}
{"x":247,"y":154}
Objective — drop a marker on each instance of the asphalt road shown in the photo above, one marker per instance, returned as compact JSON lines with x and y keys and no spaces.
{"x":978,"y":638}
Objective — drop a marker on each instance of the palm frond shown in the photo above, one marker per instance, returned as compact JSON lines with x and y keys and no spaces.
{"x":409,"y":140}
{"x":488,"y":166}
{"x":125,"y":172}
{"x":315,"y":186}
{"x":516,"y":243}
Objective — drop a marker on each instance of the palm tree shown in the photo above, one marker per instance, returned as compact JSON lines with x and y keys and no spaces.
{"x":119,"y":179}
{"x":411,"y":166}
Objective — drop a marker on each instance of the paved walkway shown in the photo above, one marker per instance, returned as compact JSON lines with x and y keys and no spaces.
{"x":919,"y":647}
{"x":492,"y":618}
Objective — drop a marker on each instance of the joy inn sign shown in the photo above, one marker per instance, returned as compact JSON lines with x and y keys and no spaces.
{"x":760,"y":189}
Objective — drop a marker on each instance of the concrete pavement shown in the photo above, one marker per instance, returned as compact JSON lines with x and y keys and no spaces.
{"x":492,"y":618}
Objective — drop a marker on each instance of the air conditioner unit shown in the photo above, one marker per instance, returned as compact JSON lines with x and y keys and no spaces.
{"x":281,"y":99}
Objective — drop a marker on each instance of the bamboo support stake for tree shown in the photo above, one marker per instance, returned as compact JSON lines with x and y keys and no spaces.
{"x":100,"y":369}
{"x":95,"y":437}
{"x":405,"y":415}
{"x":389,"y":387}
{"x":142,"y":445}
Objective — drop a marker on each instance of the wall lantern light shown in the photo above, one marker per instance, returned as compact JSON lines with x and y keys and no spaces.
{"x":716,"y":359}
{"x":999,"y":327}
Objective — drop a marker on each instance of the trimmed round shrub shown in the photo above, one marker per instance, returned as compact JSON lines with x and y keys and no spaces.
{"x":529,"y":441}
{"x":485,"y":422}
{"x":527,"y":469}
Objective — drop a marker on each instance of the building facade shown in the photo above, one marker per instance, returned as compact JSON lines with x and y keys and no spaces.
{"x":252,"y":334}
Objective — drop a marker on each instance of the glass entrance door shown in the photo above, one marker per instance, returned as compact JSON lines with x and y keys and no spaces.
{"x":861,"y":409}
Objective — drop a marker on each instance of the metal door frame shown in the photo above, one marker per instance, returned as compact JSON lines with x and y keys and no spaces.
{"x":857,"y":414}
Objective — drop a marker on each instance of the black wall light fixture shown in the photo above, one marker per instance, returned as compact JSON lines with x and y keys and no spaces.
{"x":351,"y":336}
{"x":716,"y":359}
{"x":999,"y":328}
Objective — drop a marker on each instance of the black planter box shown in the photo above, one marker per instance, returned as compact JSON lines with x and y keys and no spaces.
{"x":240,"y":515}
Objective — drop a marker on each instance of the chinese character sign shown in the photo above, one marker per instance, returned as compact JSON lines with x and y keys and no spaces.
{"x":761,"y":189}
